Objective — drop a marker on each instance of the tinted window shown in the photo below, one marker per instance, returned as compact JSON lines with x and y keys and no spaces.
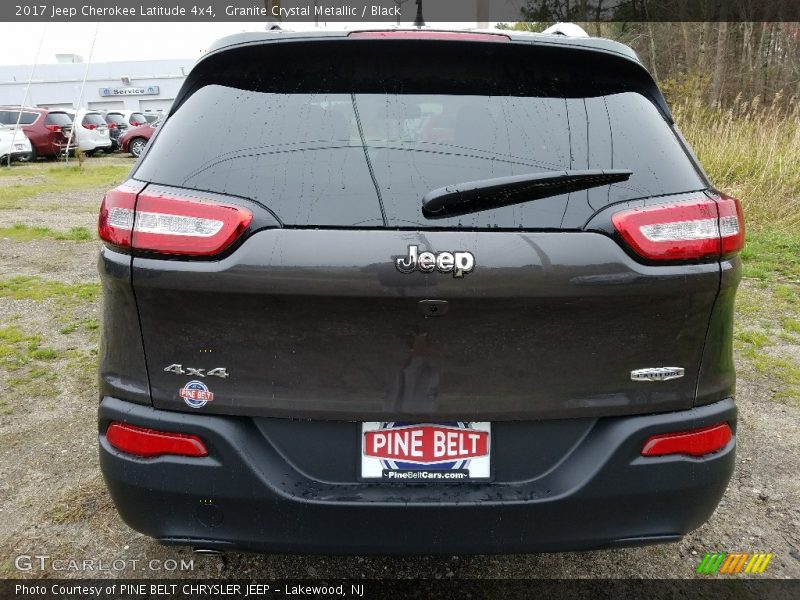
{"x":9,"y":117}
{"x":115,"y":118}
{"x":333,"y":157}
{"x":93,"y":119}
{"x":137,"y":119}
{"x":58,"y":118}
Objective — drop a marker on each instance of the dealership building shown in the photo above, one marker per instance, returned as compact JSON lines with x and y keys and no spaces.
{"x":148,"y":86}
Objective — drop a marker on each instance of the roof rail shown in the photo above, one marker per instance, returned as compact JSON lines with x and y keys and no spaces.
{"x":567,"y":29}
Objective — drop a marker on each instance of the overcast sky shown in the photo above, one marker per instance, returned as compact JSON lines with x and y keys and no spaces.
{"x":129,"y":41}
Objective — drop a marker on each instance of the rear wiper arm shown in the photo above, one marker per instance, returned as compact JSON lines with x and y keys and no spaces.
{"x":475,"y":196}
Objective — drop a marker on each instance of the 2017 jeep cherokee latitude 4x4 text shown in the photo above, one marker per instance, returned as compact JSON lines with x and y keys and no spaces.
{"x":417,"y":291}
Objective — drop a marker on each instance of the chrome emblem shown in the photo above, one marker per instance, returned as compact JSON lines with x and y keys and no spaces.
{"x":657,"y":374}
{"x":178,"y":369}
{"x":457,"y":263}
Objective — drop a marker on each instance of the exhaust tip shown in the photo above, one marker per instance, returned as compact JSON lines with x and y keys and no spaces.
{"x":207,"y":552}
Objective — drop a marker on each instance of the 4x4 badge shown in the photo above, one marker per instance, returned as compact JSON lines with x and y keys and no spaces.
{"x":457,"y":263}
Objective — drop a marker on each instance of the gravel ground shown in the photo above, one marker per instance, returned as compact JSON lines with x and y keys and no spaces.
{"x":53,"y":502}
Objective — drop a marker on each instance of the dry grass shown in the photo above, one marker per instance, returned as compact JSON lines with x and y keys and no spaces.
{"x":751,"y":151}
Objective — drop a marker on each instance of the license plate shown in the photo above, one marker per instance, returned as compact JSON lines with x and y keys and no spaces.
{"x":19,"y":146}
{"x":403,"y":452}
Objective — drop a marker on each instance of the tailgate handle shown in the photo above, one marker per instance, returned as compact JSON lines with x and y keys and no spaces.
{"x":433,"y":308}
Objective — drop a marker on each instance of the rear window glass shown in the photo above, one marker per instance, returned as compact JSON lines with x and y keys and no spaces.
{"x":115,"y":118}
{"x":58,"y":118}
{"x":93,"y":119}
{"x":9,"y":117}
{"x":137,"y":119}
{"x":338,"y":156}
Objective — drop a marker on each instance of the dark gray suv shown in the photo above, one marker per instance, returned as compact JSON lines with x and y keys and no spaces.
{"x":417,"y":292}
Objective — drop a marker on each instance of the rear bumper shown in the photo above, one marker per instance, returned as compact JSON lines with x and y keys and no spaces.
{"x":249,"y":495}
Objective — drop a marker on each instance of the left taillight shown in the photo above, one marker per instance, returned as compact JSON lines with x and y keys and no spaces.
{"x":701,"y":229}
{"x":156,"y":222}
{"x":149,"y":443}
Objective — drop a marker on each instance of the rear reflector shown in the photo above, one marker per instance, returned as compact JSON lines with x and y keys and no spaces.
{"x":694,"y":230}
{"x":430,"y":35}
{"x":169,"y":225}
{"x":696,"y":442}
{"x":148,"y":443}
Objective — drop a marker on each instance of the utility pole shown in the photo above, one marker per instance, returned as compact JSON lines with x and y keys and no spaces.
{"x":482,"y":14}
{"x":419,"y":21}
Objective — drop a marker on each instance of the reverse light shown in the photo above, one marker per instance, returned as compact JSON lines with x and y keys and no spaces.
{"x":169,"y":225}
{"x":148,"y":443}
{"x":694,"y":230}
{"x":695,"y":442}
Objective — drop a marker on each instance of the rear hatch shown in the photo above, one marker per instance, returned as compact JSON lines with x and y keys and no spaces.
{"x":59,"y":126}
{"x":332,"y":144}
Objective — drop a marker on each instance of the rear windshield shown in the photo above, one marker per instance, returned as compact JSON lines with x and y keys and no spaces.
{"x":137,"y":119}
{"x":365,"y":154}
{"x":93,"y":119}
{"x":9,"y":117}
{"x":58,"y":118}
{"x":115,"y":118}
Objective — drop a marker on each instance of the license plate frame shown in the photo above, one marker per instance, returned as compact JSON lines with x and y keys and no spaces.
{"x":461,"y":435}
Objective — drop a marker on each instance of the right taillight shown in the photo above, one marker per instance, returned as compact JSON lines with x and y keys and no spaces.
{"x":694,"y":230}
{"x":165,"y":224}
{"x":54,"y":128}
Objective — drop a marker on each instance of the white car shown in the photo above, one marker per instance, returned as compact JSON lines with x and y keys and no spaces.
{"x":13,"y":143}
{"x":90,"y":130}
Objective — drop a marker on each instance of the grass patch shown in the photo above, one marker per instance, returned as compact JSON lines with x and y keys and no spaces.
{"x":25,"y":287}
{"x":24,"y":233}
{"x":81,"y":503}
{"x":24,"y":360}
{"x":60,"y":178}
{"x":750,"y":151}
{"x":771,"y":254}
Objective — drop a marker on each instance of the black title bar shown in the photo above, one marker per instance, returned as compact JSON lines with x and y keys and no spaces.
{"x":402,"y":11}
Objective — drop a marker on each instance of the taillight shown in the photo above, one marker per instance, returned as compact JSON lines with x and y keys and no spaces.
{"x":149,"y":443}
{"x":115,"y":224}
{"x":90,"y":126}
{"x":693,"y":230}
{"x":696,"y":442}
{"x":430,"y":35}
{"x":112,"y":125}
{"x":731,"y":224}
{"x":169,"y":225}
{"x":135,"y":123}
{"x":54,"y":128}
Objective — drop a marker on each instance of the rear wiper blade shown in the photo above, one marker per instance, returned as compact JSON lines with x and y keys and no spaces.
{"x":475,"y":196}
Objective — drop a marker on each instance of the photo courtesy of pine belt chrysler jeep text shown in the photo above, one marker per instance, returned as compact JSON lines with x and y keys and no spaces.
{"x":417,"y":291}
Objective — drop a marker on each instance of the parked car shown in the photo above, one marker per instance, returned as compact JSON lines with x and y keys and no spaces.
{"x":48,"y":130}
{"x":131,"y":118}
{"x":117,"y":126}
{"x":14,"y":144}
{"x":134,"y":140}
{"x":328,"y":328}
{"x":91,"y":131}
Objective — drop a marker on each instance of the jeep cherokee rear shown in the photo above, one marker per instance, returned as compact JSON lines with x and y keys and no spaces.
{"x":417,"y":292}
